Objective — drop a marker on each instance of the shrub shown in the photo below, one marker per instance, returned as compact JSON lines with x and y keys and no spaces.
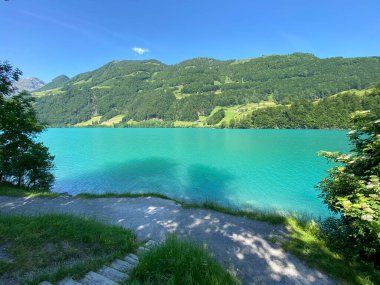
{"x":352,"y":190}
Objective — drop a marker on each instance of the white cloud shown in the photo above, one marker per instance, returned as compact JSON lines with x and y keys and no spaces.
{"x":140,"y":51}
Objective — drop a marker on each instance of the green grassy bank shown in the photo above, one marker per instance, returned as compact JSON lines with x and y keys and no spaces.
{"x":51,"y":247}
{"x":179,"y":261}
{"x":305,"y":241}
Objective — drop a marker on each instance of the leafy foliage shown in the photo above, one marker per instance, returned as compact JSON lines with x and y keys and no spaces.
{"x":22,"y":160}
{"x":352,"y":190}
{"x":330,"y":112}
{"x":216,"y":117}
{"x":7,"y":76}
{"x":149,"y":89}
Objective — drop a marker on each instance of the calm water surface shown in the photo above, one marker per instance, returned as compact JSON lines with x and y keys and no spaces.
{"x":269,"y":169}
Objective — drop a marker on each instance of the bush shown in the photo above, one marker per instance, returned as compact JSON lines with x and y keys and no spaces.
{"x":352,"y":190}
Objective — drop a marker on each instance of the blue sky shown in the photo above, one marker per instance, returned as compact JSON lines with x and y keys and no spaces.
{"x":46,"y":38}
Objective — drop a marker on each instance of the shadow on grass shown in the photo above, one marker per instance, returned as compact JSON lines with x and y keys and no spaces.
{"x":305,"y":244}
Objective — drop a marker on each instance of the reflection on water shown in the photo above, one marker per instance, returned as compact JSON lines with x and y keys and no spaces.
{"x":259,"y":168}
{"x":155,"y":174}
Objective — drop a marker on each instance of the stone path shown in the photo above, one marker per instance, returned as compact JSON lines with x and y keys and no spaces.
{"x":241,"y":245}
{"x":112,"y":274}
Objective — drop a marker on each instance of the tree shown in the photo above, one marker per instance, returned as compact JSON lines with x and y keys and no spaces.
{"x":7,"y":75}
{"x":352,"y":190}
{"x":23,"y":161}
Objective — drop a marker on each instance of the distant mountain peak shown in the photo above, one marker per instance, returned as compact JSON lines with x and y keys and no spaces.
{"x":28,"y":84}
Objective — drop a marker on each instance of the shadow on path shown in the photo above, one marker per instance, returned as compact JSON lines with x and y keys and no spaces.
{"x":237,"y":243}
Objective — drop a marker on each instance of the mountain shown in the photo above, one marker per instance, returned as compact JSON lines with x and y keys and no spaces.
{"x":132,"y":90}
{"x":57,"y":82}
{"x":29,"y":84}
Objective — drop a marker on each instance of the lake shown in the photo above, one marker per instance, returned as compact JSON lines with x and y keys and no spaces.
{"x":267,"y":169}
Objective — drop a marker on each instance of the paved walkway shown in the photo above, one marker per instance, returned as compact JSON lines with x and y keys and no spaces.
{"x":237,"y":243}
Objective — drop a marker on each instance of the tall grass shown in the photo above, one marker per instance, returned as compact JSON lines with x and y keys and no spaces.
{"x":178,"y":261}
{"x":51,"y":247}
{"x":307,"y":243}
{"x":7,"y":189}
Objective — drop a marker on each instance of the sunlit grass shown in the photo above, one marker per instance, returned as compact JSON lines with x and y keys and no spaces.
{"x":94,"y":120}
{"x":307,"y":244}
{"x":54,"y":91}
{"x":51,"y":247}
{"x":305,"y":240}
{"x":268,"y":216}
{"x":113,"y":121}
{"x":14,"y":191}
{"x":179,"y":261}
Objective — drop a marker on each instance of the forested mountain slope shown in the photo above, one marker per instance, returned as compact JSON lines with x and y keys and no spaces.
{"x":149,"y":89}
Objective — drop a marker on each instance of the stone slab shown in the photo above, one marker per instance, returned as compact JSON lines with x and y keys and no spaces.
{"x":68,"y":281}
{"x":113,"y":274}
{"x":93,"y":278}
{"x":121,"y":265}
{"x":130,"y":260}
{"x":134,"y":256}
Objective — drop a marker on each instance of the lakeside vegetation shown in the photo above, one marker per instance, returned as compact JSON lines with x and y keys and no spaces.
{"x":332,"y":112}
{"x":154,"y":94}
{"x":178,"y":261}
{"x":307,"y":239}
{"x":23,"y":160}
{"x":8,"y":189}
{"x":51,"y":247}
{"x":346,"y":247}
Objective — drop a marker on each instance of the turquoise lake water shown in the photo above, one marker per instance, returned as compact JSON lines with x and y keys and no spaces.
{"x":268,"y":169}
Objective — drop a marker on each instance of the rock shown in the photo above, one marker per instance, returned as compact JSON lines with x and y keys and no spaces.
{"x":4,"y":255}
{"x":150,"y":244}
{"x":44,"y":283}
{"x":121,"y":265}
{"x":134,"y":256}
{"x":113,"y":274}
{"x":131,"y":260}
{"x":68,"y":281}
{"x":141,"y":249}
{"x":93,"y":278}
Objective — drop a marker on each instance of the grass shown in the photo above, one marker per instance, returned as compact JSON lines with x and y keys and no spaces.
{"x":178,"y":261}
{"x":271,"y":217}
{"x":100,"y":87}
{"x":237,"y":112}
{"x":254,"y":214}
{"x":305,"y":242}
{"x":51,"y":247}
{"x":14,"y":191}
{"x":54,"y":91}
{"x":113,"y":121}
{"x":122,"y":195}
{"x":93,"y":121}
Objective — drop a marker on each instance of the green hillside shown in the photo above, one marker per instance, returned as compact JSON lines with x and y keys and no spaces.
{"x":57,"y":82}
{"x":188,"y":92}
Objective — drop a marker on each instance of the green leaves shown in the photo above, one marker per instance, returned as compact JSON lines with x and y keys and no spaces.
{"x":193,"y":88}
{"x":22,"y":160}
{"x":352,"y":188}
